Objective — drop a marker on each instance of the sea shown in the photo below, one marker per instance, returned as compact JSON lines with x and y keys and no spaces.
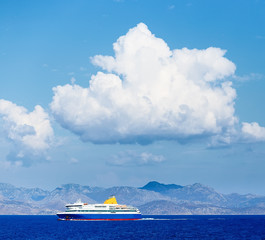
{"x":150,"y":227}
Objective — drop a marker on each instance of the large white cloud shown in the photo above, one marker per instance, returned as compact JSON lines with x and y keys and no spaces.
{"x":31,"y":132}
{"x":150,"y":92}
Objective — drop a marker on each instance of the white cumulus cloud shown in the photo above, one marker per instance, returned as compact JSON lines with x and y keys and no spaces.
{"x":253,"y":132}
{"x":149,"y":92}
{"x":31,"y":132}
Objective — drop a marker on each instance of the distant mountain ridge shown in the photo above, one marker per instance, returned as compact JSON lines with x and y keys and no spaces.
{"x":153,"y":198}
{"x":160,"y":187}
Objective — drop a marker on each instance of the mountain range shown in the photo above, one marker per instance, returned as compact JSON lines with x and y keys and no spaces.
{"x":153,"y":198}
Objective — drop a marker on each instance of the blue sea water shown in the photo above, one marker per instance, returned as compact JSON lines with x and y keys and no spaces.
{"x":151,"y":227}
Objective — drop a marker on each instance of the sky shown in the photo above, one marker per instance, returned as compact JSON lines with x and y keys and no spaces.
{"x":123,"y":92}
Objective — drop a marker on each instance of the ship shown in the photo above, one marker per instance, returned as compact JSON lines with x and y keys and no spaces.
{"x":110,"y":210}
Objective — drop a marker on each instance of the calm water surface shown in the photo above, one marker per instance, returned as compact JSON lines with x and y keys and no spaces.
{"x":152,"y":227}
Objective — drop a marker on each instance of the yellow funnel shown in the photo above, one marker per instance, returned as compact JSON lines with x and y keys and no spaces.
{"x":111,"y":200}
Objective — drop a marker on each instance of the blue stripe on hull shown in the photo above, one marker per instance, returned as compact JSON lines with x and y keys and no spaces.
{"x":99,"y":216}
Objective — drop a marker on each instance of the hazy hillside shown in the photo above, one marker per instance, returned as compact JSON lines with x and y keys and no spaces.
{"x":153,"y":198}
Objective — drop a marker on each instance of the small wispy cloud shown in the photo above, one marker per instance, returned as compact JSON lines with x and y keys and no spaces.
{"x":249,"y":77}
{"x":10,"y":165}
{"x":260,"y":37}
{"x":171,"y":7}
{"x":73,"y":80}
{"x":131,"y":158}
{"x":87,"y":75}
{"x":73,"y":160}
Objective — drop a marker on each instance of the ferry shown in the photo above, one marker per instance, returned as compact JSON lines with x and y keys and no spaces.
{"x":109,"y":210}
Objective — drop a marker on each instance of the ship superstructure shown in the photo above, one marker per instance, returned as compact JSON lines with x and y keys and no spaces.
{"x":109,"y":210}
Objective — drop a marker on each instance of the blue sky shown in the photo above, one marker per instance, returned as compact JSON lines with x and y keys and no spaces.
{"x":107,"y":93}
